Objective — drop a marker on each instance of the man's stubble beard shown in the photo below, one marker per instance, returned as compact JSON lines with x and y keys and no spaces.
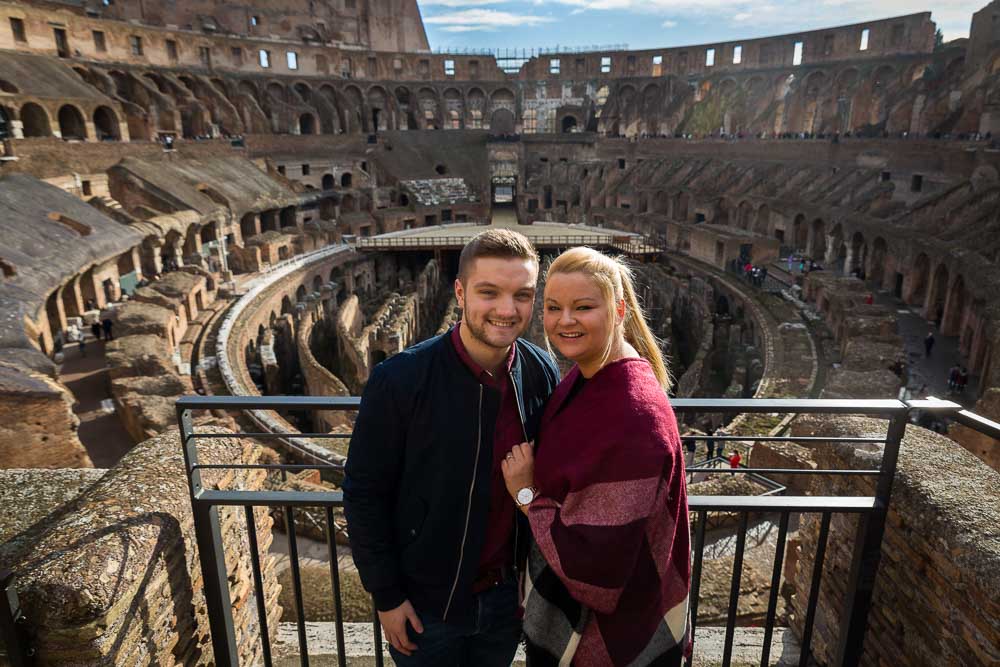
{"x":479,"y":331}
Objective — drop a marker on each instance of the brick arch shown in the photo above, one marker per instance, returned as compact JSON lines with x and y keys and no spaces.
{"x":72,"y":122}
{"x":35,"y":120}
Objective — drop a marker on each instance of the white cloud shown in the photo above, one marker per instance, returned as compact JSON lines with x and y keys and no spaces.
{"x":789,"y":16}
{"x":668,"y":24}
{"x":484,"y":19}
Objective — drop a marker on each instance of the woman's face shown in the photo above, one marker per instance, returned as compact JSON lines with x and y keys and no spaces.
{"x":576,"y":318}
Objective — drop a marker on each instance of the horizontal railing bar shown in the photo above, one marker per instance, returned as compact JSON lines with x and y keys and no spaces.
{"x":790,"y":471}
{"x":265,"y":466}
{"x":846,"y":504}
{"x":274,"y":434}
{"x":266,"y":402}
{"x":978,"y":423}
{"x":271,"y":498}
{"x":784,"y":438}
{"x":886,"y":407}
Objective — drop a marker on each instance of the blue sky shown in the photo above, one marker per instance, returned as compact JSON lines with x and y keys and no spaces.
{"x":655,"y":23}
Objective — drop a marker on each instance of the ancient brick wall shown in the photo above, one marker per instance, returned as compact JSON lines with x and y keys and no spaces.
{"x":37,"y":424}
{"x":937,"y":594}
{"x":117,"y":580}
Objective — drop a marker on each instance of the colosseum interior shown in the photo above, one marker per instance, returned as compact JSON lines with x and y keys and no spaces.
{"x":259,"y":199}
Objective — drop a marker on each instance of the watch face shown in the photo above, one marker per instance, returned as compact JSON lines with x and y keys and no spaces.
{"x":525,"y":496}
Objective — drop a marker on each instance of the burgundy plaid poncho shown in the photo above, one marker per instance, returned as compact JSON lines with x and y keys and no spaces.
{"x":609,"y":575}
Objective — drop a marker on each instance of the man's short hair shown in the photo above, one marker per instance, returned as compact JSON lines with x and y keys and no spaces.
{"x":500,"y":243}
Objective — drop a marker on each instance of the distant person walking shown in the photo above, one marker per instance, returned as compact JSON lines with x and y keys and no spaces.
{"x":107,"y":325}
{"x":929,"y":344}
{"x":95,"y":329}
{"x":81,"y":343}
{"x":953,"y":379}
{"x":963,"y":379}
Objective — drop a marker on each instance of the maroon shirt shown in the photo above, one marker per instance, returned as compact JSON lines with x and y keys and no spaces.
{"x":498,"y":549}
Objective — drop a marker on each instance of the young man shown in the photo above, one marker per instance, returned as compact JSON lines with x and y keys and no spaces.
{"x":432,"y":528}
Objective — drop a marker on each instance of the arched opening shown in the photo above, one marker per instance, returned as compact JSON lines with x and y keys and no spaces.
{"x":919,"y":275}
{"x":938,"y":294}
{"x":307,"y":124}
{"x":328,"y":181}
{"x":955,"y":309}
{"x":286,"y":305}
{"x":8,"y":87}
{"x":876,"y":267}
{"x":857,"y":255}
{"x":817,"y":231}
{"x":744,"y":215}
{"x":800,"y":233}
{"x":71,"y":123}
{"x":762,"y":221}
{"x":569,"y":124}
{"x":106,"y":124}
{"x":345,"y":180}
{"x":502,"y":122}
{"x":248,"y":225}
{"x":288,"y":217}
{"x":317,"y":283}
{"x":35,"y":121}
{"x":300,"y":293}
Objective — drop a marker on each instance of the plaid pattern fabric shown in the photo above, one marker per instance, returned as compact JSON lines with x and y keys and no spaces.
{"x":609,"y":573}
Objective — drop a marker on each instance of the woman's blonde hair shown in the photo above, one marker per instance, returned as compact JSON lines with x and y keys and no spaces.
{"x":615,"y":280}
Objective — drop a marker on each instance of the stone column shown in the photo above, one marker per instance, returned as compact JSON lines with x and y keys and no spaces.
{"x":849,"y":261}
{"x":831,"y":252}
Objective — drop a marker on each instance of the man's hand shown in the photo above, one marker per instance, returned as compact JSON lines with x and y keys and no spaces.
{"x":519,"y":468}
{"x":394,"y":627}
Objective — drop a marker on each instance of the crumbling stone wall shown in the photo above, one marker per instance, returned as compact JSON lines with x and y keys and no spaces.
{"x":938,"y":586}
{"x":37,"y":424}
{"x":114,"y":577}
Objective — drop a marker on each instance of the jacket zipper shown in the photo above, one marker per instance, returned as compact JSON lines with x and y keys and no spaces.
{"x":468,"y":508}
{"x":524,"y":431}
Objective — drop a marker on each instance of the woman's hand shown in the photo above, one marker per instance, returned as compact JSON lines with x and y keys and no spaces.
{"x":519,"y":468}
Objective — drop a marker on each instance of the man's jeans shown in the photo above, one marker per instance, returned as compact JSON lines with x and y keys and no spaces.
{"x":488,"y":639}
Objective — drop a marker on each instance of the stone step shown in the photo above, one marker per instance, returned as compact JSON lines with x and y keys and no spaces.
{"x":358,"y":640}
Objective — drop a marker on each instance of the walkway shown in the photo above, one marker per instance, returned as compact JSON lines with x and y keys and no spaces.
{"x":100,"y":431}
{"x":931,"y":371}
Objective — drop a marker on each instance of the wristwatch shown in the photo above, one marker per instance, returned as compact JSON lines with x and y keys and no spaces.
{"x":525,"y":496}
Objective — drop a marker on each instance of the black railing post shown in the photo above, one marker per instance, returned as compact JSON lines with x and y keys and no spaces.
{"x":12,"y":625}
{"x":211,"y":553}
{"x":868,"y":551}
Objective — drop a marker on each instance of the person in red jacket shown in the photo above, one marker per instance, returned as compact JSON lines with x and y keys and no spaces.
{"x":734,"y":460}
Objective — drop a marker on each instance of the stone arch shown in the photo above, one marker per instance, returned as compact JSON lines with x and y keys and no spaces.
{"x":857,"y":254}
{"x":348,"y":204}
{"x":762,"y":221}
{"x":569,"y":124}
{"x":71,"y":122}
{"x":354,"y":111}
{"x":286,"y":305}
{"x":814,"y":83}
{"x":429,"y":109}
{"x":404,"y":102}
{"x":378,"y":108}
{"x":476,"y":106}
{"x":248,"y":88}
{"x":877,"y":263}
{"x":7,"y":87}
{"x":248,"y":225}
{"x":835,"y":249}
{"x":35,"y":120}
{"x":846,"y":80}
{"x":307,"y":124}
{"x":817,"y":236}
{"x":682,"y":208}
{"x":954,"y":310}
{"x":317,"y":283}
{"x":800,"y":233}
{"x":744,"y":215}
{"x":277,"y":92}
{"x":661,"y":202}
{"x":303,"y":90}
{"x":454,"y":107}
{"x":937,"y":294}
{"x":328,"y":182}
{"x":502,"y":121}
{"x":106,"y":124}
{"x":300,"y":293}
{"x":918,"y":279}
{"x":345,"y":179}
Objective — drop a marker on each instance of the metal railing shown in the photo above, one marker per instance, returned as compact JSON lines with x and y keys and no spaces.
{"x":866,"y":550}
{"x":624,"y":243}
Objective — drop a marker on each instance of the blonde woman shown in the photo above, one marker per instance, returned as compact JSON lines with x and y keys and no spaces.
{"x":603,"y":486}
